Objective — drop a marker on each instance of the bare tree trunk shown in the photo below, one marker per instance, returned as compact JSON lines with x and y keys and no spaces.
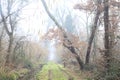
{"x":10,"y":34}
{"x":107,"y":36}
{"x":80,"y":62}
{"x":9,"y":50}
{"x":10,"y":43}
{"x":50,"y":74}
{"x":1,"y":36}
{"x":87,"y":59}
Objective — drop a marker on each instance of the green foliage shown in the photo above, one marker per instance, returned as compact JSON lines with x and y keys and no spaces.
{"x":28,"y":63}
{"x":25,"y":61}
{"x":88,"y":79}
{"x":23,"y":71}
{"x":56,"y":72}
{"x":5,"y":75}
{"x":114,"y":71}
{"x":113,"y":74}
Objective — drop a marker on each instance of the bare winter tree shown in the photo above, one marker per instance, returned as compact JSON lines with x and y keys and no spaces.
{"x":1,"y":37}
{"x":96,"y":7}
{"x":9,"y":12}
{"x":107,"y":35}
{"x":95,"y":25}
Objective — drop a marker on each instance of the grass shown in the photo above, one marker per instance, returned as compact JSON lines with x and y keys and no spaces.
{"x":6,"y":74}
{"x":52,"y":70}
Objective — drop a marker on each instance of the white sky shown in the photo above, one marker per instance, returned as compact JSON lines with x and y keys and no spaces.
{"x":35,"y":18}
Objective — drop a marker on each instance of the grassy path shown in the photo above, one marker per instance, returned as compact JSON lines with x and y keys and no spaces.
{"x":52,"y":71}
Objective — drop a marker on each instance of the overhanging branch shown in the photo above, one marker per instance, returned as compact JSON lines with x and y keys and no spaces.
{"x":50,"y":15}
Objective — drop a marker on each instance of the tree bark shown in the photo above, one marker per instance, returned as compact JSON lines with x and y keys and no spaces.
{"x":80,"y":62}
{"x":9,"y":50}
{"x":106,"y":34}
{"x":87,"y":59}
{"x":1,"y":36}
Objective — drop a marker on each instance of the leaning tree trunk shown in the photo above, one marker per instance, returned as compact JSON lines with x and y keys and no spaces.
{"x":87,"y":59}
{"x":80,"y":62}
{"x":71,"y":48}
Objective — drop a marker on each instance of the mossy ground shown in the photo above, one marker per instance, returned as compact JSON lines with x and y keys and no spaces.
{"x":53,"y":71}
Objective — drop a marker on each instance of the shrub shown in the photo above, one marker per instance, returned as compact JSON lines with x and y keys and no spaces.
{"x":113,"y":74}
{"x":6,"y":75}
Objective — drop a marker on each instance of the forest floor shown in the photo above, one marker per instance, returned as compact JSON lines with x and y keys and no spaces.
{"x":54,"y":71}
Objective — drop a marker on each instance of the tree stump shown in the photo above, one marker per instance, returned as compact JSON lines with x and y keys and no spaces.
{"x":70,"y":78}
{"x":49,"y":74}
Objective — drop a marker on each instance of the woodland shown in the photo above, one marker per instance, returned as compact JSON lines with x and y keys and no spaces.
{"x":82,"y":44}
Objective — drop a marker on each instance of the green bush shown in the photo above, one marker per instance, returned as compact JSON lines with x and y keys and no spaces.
{"x":6,"y":75}
{"x":113,"y":74}
{"x":28,"y":64}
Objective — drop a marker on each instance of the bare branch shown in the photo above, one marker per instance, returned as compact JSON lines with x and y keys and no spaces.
{"x":50,"y":15}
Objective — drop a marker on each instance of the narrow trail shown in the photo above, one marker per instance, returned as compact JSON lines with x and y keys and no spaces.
{"x":53,"y":71}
